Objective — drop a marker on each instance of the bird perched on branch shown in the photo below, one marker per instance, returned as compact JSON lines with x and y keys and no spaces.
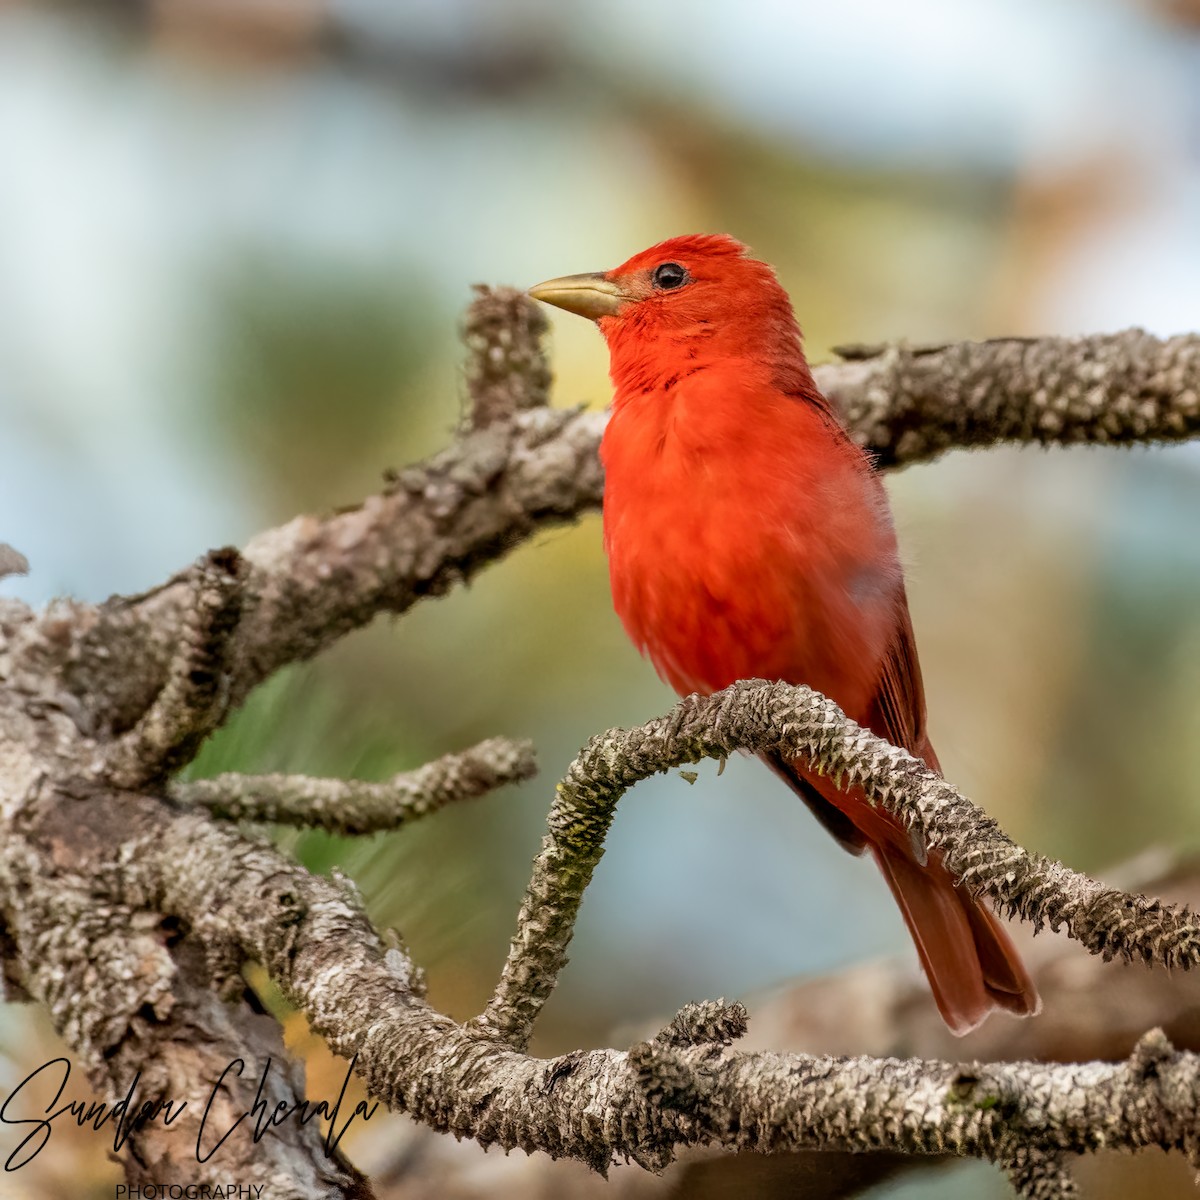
{"x":749,"y":537}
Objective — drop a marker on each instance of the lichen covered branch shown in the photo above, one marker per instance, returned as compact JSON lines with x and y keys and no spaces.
{"x":797,"y":722}
{"x":1037,"y":1175}
{"x":128,"y":908}
{"x":316,"y":579}
{"x":912,"y":404}
{"x":686,"y":1087}
{"x":506,"y":369}
{"x":353,"y":807}
{"x":195,"y":696}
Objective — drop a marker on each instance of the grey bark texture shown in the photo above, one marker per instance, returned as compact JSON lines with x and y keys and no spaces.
{"x":1092,"y":1010}
{"x":910,"y":404}
{"x":130,"y":902}
{"x":354,"y":807}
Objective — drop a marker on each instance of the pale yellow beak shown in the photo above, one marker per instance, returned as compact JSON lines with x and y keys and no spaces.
{"x":590,"y":296}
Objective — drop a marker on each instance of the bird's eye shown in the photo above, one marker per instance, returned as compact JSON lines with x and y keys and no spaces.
{"x":669,"y":275}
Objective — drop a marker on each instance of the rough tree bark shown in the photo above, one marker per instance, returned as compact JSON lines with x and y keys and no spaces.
{"x":130,"y":901}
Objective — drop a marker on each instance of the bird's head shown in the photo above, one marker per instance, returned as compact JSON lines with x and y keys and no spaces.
{"x":696,"y":296}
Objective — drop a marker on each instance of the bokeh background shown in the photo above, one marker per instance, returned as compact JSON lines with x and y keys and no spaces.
{"x":235,"y":240}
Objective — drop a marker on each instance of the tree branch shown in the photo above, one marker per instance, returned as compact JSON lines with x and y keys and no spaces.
{"x":1038,"y":1175}
{"x":911,"y":404}
{"x":314,"y":580}
{"x":523,"y":468}
{"x":797,"y":722}
{"x":1091,"y":1010}
{"x":684,"y":1087}
{"x":195,"y":696}
{"x":138,"y":1003}
{"x":506,"y":369}
{"x":314,"y":939}
{"x":117,"y":903}
{"x":349,"y":806}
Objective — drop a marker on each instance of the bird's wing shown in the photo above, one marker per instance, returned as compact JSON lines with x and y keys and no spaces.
{"x":836,"y":823}
{"x":898,"y":711}
{"x":898,"y":714}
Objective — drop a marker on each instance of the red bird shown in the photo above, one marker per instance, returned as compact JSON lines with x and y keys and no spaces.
{"x":749,"y":537}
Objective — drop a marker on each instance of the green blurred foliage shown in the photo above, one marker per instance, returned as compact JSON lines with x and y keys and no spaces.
{"x":311,"y":369}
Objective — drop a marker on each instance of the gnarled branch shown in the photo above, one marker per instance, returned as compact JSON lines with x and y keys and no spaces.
{"x":685,"y":1086}
{"x":195,"y":696}
{"x":797,"y":722}
{"x":910,"y":404}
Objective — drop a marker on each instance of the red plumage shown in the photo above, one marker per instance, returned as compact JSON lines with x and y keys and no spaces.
{"x":748,"y":537}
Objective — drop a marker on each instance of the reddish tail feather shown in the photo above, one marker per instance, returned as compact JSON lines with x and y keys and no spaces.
{"x":972,"y":966}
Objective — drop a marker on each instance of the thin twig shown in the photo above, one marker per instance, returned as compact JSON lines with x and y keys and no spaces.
{"x":12,"y":562}
{"x":350,"y":806}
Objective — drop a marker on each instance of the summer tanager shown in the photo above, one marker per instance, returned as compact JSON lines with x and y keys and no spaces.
{"x":749,"y":537}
